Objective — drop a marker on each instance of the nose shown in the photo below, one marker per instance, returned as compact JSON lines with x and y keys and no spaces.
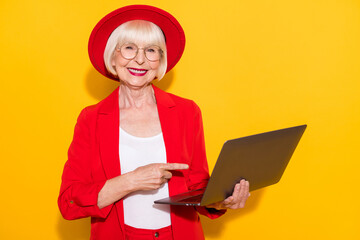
{"x":140,"y":56}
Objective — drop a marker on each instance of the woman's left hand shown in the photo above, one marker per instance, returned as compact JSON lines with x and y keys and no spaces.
{"x":238,"y":198}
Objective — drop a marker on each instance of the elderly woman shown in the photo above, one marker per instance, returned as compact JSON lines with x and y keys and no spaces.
{"x":140,"y":143}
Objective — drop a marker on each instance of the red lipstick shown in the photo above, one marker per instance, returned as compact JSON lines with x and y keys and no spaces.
{"x":137,"y":72}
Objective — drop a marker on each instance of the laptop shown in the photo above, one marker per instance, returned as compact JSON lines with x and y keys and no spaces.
{"x":261,"y":159}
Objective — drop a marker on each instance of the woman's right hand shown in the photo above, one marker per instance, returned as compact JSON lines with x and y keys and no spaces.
{"x":148,"y":177}
{"x":153,"y":176}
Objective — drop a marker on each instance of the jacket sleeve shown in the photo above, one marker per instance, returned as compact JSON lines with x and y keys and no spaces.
{"x":199,"y":171}
{"x":78,"y":192}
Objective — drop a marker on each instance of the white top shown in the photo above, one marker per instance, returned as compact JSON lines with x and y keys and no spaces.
{"x":139,"y":208}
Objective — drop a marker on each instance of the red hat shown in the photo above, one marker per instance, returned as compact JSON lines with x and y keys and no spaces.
{"x":174,"y":34}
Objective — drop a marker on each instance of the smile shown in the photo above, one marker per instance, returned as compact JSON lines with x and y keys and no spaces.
{"x":137,"y":72}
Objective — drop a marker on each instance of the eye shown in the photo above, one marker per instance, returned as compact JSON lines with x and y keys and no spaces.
{"x":150,"y":50}
{"x":129,"y":47}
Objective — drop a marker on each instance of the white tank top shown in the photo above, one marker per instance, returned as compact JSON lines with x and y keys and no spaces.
{"x":139,"y":208}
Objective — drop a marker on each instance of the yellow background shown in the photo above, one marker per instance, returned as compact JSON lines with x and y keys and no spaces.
{"x":252,"y":66}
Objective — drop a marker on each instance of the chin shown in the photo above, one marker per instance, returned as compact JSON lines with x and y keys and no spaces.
{"x":137,"y":81}
{"x":136,"y":84}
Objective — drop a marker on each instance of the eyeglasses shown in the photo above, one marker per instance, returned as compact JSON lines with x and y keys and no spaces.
{"x":130,"y":50}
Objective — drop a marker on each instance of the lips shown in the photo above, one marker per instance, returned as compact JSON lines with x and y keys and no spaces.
{"x":137,"y":72}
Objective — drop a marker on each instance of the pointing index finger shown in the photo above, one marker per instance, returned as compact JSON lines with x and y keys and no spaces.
{"x":175,"y":166}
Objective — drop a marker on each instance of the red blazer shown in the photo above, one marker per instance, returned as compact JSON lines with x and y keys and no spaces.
{"x":93,"y":158}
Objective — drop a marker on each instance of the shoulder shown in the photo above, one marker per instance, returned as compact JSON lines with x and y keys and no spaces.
{"x":182,"y":101}
{"x":107,"y":105}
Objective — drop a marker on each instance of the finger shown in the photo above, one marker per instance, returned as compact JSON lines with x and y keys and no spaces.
{"x":229,"y":199}
{"x":244,"y":194}
{"x":174,"y":166}
{"x":236,"y":194}
{"x":248,"y":187}
{"x":167,"y":174}
{"x":228,"y":202}
{"x":246,"y":190}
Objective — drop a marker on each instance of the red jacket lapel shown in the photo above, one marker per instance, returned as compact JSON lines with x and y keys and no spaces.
{"x":169,"y":120}
{"x":108,"y":133}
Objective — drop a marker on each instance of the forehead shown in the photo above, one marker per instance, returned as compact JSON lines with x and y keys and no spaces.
{"x":130,"y":45}
{"x":141,"y":35}
{"x":137,"y":43}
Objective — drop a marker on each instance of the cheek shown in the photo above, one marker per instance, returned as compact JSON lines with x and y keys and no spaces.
{"x":154,"y":65}
{"x":117,"y":61}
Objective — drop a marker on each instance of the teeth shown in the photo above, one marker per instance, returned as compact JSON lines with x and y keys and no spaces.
{"x":137,"y":71}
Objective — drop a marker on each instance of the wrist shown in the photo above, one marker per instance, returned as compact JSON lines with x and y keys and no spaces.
{"x":129,"y":185}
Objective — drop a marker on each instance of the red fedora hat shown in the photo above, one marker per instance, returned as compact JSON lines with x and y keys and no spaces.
{"x":174,"y":34}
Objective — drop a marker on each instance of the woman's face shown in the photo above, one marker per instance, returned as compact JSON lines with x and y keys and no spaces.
{"x":137,"y":72}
